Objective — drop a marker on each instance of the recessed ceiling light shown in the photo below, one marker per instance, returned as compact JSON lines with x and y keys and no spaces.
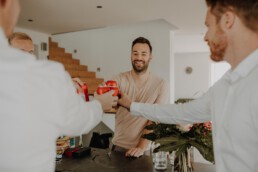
{"x":99,"y":6}
{"x":30,"y":20}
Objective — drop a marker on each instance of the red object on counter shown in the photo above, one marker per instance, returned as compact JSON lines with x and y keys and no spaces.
{"x":69,"y":152}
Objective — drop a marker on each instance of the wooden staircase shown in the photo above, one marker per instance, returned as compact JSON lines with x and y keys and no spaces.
{"x":73,"y":66}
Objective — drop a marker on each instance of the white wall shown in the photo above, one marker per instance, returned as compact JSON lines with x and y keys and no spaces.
{"x":37,"y":38}
{"x":190,"y":43}
{"x":109,"y":48}
{"x":191,"y":50}
{"x":196,"y":83}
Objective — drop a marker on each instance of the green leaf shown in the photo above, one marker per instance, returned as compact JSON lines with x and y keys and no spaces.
{"x":170,"y":147}
{"x":181,"y":149}
{"x":167,"y":140}
{"x":150,"y":136}
{"x":205,"y":151}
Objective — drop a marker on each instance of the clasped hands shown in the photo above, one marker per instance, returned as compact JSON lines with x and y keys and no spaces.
{"x":108,"y":101}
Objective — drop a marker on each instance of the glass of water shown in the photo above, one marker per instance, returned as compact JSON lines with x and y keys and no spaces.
{"x":160,"y":160}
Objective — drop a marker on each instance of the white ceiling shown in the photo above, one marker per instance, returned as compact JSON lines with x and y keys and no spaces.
{"x":59,"y":16}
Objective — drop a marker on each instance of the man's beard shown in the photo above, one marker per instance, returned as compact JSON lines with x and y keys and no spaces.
{"x":140,"y":69}
{"x":218,"y":46}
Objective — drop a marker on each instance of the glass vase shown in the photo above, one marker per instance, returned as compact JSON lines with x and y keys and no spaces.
{"x":184,"y":162}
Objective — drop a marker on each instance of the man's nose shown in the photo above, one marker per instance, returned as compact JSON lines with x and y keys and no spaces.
{"x":205,"y":38}
{"x":138,"y":57}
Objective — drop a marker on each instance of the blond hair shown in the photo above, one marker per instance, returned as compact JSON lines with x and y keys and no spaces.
{"x":19,"y":36}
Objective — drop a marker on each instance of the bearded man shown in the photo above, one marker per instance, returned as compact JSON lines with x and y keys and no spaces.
{"x":141,"y":86}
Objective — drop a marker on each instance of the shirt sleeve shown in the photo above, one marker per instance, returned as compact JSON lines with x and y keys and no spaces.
{"x":195,"y":111}
{"x":79,"y":116}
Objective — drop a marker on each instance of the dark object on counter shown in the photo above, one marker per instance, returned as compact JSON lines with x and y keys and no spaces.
{"x":81,"y":152}
{"x":68,"y":152}
{"x":100,"y":140}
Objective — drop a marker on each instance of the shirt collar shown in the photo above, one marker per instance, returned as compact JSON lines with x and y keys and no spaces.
{"x":245,"y":67}
{"x":3,"y":40}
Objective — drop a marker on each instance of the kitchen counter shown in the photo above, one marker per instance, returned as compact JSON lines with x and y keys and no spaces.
{"x":99,"y":161}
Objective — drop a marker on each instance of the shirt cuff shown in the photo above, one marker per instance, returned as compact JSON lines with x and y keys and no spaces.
{"x":135,"y":109}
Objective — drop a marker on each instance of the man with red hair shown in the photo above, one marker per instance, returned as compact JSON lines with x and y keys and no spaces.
{"x":232,"y":103}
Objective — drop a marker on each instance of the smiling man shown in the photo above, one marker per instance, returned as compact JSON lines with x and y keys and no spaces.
{"x":141,"y":86}
{"x":231,"y":103}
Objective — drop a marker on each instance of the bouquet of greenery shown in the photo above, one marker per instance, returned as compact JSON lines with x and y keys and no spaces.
{"x":172,"y":137}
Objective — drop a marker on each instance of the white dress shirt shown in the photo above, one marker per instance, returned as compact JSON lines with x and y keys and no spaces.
{"x":38,"y":103}
{"x":232,"y":105}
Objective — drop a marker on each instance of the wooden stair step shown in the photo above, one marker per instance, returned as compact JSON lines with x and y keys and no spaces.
{"x":94,"y":81}
{"x":75,"y":67}
{"x":77,"y":73}
{"x":58,"y":57}
{"x":83,"y":67}
{"x":92,"y":89}
{"x":65,"y":61}
{"x":60,"y":54}
{"x":73,"y":73}
{"x":56,"y":49}
{"x":87,"y":74}
{"x":53,"y":44}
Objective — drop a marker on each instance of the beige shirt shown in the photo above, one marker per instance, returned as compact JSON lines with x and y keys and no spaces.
{"x":128,"y":128}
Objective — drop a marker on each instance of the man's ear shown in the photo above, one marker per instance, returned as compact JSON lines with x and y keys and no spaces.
{"x":228,"y":20}
{"x":150,"y":56}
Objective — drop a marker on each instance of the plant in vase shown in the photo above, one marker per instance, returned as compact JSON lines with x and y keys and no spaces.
{"x":178,"y":138}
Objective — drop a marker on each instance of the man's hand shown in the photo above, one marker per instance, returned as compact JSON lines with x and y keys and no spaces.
{"x":134,"y":152}
{"x":124,"y":101}
{"x":106,"y":100}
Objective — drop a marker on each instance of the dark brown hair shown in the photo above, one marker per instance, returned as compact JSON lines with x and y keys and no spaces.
{"x":246,"y":10}
{"x":142,"y":40}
